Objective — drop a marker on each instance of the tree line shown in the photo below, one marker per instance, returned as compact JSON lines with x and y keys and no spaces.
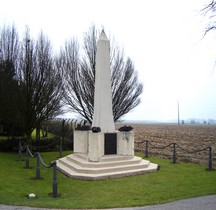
{"x":36,"y":83}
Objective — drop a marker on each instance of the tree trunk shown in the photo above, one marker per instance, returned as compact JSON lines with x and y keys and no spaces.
{"x":37,"y":133}
{"x":29,"y":138}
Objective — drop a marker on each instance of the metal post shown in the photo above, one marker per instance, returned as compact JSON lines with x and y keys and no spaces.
{"x":146,"y":151}
{"x":19,"y":152}
{"x":63,"y":134}
{"x":27,"y":157}
{"x":72,"y":132}
{"x":174,"y":152}
{"x":178,"y":113}
{"x":210,"y":160}
{"x":60,"y":147}
{"x":38,"y":167}
{"x":55,"y":184}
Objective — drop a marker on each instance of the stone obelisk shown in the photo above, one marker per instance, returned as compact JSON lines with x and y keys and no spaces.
{"x":103,"y":112}
{"x":103,"y":153}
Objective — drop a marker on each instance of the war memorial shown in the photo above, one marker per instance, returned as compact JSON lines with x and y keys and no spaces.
{"x":101,"y":151}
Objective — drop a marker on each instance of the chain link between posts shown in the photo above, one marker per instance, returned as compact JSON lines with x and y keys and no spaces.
{"x":175,"y":146}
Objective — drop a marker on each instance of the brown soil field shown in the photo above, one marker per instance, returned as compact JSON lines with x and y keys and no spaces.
{"x":190,"y":138}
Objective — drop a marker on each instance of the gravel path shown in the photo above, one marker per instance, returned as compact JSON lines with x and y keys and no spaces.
{"x":199,"y":203}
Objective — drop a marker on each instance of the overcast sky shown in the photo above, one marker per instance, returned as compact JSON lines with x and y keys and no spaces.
{"x":162,"y":37}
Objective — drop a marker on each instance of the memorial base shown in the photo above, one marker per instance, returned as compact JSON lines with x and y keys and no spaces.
{"x":110,"y":166}
{"x":103,"y":155}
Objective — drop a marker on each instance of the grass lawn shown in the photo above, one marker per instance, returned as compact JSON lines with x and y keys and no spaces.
{"x":3,"y":138}
{"x":171,"y":182}
{"x":49,"y":135}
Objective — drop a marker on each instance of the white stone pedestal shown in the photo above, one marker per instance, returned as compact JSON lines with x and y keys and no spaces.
{"x":90,"y":162}
{"x":81,"y":142}
{"x":95,"y":146}
{"x":125,"y":143}
{"x":92,"y":144}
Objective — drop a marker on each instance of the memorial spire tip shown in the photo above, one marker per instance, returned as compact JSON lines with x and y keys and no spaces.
{"x":103,"y":35}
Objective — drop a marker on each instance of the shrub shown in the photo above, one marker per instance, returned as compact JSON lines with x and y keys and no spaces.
{"x":10,"y":145}
{"x":43,"y":145}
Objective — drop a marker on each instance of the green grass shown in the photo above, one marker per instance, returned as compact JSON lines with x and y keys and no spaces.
{"x":171,"y":182}
{"x":49,"y":135}
{"x":3,"y":138}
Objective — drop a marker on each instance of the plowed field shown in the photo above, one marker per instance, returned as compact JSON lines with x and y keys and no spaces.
{"x":189,"y":139}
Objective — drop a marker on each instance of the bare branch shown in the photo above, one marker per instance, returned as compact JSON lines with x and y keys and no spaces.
{"x":79,"y":79}
{"x":210,"y":10}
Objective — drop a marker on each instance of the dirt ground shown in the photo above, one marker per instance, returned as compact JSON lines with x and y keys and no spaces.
{"x":189,"y":140}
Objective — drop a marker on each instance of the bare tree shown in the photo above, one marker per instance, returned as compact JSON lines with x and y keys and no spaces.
{"x":125,"y":89}
{"x":39,"y":94}
{"x":209,"y":10}
{"x":78,"y":73}
{"x":74,"y":81}
{"x":9,"y":51}
{"x":9,"y":45}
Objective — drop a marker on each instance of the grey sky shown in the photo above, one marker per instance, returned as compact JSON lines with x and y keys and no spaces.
{"x":163,"y":38}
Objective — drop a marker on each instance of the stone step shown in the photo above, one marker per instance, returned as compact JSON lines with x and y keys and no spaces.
{"x":103,"y":169}
{"x":105,"y":158}
{"x":108,"y":158}
{"x":101,"y":164}
{"x":117,"y":174}
{"x":109,"y":166}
